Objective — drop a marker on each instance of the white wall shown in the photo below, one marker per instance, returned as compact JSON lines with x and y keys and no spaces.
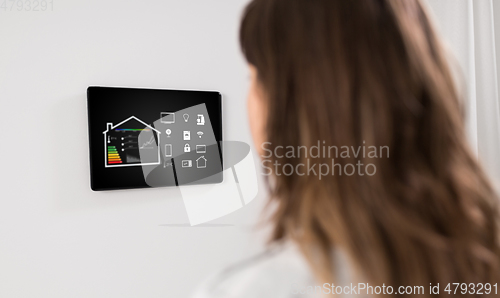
{"x":57,"y":237}
{"x":471,"y":28}
{"x":496,"y":14}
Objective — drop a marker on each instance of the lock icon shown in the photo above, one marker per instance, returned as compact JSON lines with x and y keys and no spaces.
{"x":187,"y":148}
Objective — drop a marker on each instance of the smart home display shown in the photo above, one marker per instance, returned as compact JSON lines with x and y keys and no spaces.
{"x":153,"y":138}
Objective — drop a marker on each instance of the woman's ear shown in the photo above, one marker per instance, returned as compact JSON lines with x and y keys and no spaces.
{"x":257,"y":113}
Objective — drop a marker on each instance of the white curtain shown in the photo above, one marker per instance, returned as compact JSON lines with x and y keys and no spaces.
{"x":471,"y":29}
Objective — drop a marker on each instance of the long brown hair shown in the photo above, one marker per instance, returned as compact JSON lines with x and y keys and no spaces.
{"x":372,"y":72}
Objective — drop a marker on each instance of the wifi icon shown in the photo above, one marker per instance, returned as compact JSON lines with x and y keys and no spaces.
{"x":200,"y":133}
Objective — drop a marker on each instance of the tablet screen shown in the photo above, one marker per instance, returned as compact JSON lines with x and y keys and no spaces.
{"x":153,"y":138}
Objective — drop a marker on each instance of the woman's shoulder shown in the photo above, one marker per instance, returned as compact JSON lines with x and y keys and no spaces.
{"x":277,"y":272}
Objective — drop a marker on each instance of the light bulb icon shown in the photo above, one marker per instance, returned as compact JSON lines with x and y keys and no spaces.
{"x":186,"y":117}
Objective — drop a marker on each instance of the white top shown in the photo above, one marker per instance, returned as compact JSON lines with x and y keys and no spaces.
{"x":279,"y":272}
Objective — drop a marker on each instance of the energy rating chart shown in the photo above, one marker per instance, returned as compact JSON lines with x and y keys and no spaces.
{"x":113,"y":156}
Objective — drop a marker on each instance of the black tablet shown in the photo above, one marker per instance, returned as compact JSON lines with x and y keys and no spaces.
{"x":153,"y":138}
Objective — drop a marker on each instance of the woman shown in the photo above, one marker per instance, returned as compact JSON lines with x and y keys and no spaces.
{"x":363,"y":74}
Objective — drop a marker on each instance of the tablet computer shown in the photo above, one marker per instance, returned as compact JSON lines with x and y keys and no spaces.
{"x":142,"y":138}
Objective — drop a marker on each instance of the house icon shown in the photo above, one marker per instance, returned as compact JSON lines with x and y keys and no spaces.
{"x":131,"y":142}
{"x":201,"y":162}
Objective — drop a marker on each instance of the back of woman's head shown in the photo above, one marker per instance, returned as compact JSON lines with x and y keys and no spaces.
{"x":366,"y":75}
